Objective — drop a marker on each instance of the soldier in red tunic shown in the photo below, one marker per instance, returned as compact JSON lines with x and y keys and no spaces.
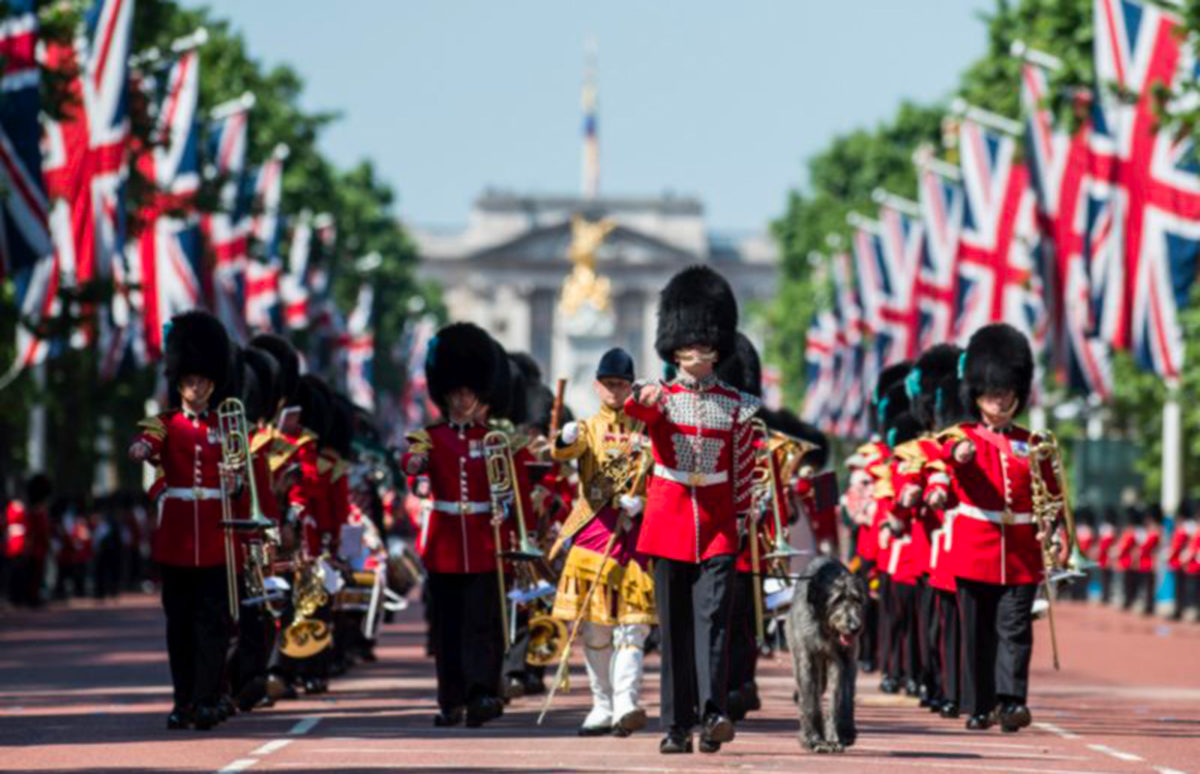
{"x":27,"y":542}
{"x":456,"y":542}
{"x":1181,"y":538}
{"x":702,"y":442}
{"x":189,"y":541}
{"x":996,"y":553}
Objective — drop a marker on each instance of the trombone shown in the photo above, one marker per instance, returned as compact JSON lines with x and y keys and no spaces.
{"x":765,"y":476}
{"x":235,"y":456}
{"x":505,"y":493}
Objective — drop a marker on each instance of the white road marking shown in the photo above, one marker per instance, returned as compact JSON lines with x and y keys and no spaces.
{"x":1060,"y":731}
{"x":304,"y":726}
{"x":272,"y":746}
{"x":241,"y":764}
{"x":1121,"y":756}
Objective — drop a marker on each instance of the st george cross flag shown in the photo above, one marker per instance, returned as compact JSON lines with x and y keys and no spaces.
{"x":1058,"y":164}
{"x":167,"y":250}
{"x":997,"y":278}
{"x":1155,"y":184}
{"x":26,"y":251}
{"x":940,"y":197}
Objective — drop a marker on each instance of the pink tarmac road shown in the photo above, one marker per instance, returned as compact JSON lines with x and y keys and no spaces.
{"x":86,"y":688}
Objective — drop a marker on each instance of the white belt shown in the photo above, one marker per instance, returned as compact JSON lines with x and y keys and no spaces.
{"x":690,"y":478}
{"x":464,"y":506}
{"x":995,"y":517}
{"x":192,"y":493}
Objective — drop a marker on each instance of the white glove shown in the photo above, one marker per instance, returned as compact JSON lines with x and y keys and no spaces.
{"x":570,"y":433}
{"x":631,"y":504}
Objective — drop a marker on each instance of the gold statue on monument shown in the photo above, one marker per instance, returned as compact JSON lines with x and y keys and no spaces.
{"x":583,"y":284}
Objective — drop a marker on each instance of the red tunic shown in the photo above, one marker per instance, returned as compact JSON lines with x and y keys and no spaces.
{"x":1085,"y":537}
{"x":994,"y":538}
{"x":1124,"y":550}
{"x":188,"y":450}
{"x":1148,"y":541}
{"x":28,"y":531}
{"x":1184,"y":532}
{"x":869,"y":460}
{"x":702,"y":442}
{"x":1104,"y":546}
{"x":458,"y":534}
{"x":1191,"y":555}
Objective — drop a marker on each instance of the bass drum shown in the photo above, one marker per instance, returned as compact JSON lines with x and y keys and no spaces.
{"x":404,"y":569}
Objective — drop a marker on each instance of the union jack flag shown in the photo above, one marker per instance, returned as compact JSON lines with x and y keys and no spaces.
{"x":85,"y":154}
{"x":820,"y":351}
{"x":26,"y":250}
{"x":1153,"y":228}
{"x":415,"y":404}
{"x":358,"y":348}
{"x":1058,"y":164}
{"x":849,"y":418}
{"x":997,"y":270}
{"x":227,"y":231}
{"x":940,"y":199}
{"x":167,"y":251}
{"x":900,"y":240}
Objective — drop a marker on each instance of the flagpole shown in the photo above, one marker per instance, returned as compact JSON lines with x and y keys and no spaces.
{"x":1172,"y":448}
{"x":960,"y":107}
{"x":897,"y":203}
{"x":1040,"y":58}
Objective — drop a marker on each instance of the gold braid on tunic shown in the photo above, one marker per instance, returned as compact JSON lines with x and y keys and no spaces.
{"x":604,"y":450}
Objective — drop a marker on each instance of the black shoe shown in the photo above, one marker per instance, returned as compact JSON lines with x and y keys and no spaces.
{"x":534,"y":685}
{"x":717,"y":728}
{"x":634,"y":720}
{"x":675,"y":742}
{"x":980,"y":722}
{"x":750,"y":696}
{"x":1014,"y":717}
{"x":179,"y":719}
{"x":949,"y":710}
{"x":866,"y":665}
{"x":514,"y":688}
{"x":596,"y":730}
{"x":889,"y":685}
{"x":481,"y":710}
{"x":448,"y":718}
{"x":736,"y":706}
{"x":206,"y":718}
{"x":708,"y":745}
{"x":911,"y":688}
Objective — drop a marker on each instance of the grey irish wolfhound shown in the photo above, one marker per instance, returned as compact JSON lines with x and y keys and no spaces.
{"x":827,"y":614}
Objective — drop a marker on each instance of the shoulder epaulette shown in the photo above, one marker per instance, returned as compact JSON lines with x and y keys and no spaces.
{"x":419,"y":441}
{"x":154,"y":426}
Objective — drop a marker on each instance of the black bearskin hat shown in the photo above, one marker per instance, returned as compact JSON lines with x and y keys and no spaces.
{"x":889,"y":376}
{"x":998,"y":357}
{"x":341,"y":430}
{"x":259,"y":388}
{"x":289,"y":362}
{"x":198,"y":344}
{"x":460,"y":355}
{"x":37,"y":489}
{"x":744,"y":370}
{"x":314,"y":397}
{"x":891,"y":407}
{"x":500,"y":397}
{"x":696,"y":307}
{"x":786,"y":422}
{"x":936,"y":364}
{"x":948,"y":406}
{"x":904,"y":427}
{"x":539,"y":406}
{"x":529,"y":368}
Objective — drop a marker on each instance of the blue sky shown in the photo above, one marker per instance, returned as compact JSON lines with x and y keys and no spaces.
{"x":721,"y":100}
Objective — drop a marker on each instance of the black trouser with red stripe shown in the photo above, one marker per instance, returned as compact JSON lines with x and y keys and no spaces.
{"x":694,"y":602}
{"x":903,"y":637}
{"x":743,"y":634}
{"x":197,"y":608}
{"x":997,"y":632}
{"x":949,"y":645}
